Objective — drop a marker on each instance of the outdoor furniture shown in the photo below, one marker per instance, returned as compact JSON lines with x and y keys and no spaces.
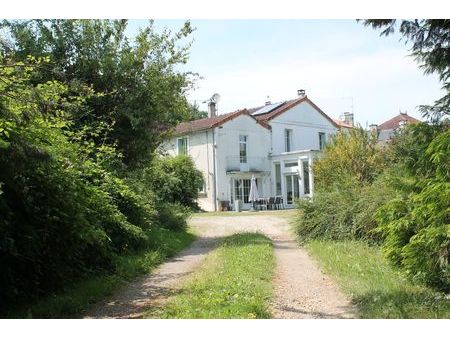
{"x":271,"y":203}
{"x":279,"y":202}
{"x":261,"y":204}
{"x":224,"y":206}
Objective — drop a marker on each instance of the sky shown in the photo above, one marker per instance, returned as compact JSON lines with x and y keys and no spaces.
{"x":342,"y":65}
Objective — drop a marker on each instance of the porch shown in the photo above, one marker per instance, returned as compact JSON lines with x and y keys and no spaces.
{"x":292,"y":175}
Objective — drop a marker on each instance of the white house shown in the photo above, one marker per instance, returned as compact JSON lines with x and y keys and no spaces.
{"x":276,"y":143}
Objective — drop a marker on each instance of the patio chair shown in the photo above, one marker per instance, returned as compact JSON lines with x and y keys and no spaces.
{"x":271,"y":203}
{"x":279,"y":202}
{"x":263,"y":203}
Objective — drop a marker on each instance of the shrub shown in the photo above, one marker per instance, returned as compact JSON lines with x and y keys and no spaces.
{"x":348,"y":189}
{"x":175,"y":180}
{"x":172,"y":216}
{"x":415,"y":225}
{"x":63,"y":216}
{"x":350,"y":157}
{"x":342,"y":214}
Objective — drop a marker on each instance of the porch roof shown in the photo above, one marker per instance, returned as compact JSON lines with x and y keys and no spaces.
{"x":293,"y":153}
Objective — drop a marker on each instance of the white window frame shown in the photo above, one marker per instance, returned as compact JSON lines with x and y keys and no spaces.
{"x":187,"y":145}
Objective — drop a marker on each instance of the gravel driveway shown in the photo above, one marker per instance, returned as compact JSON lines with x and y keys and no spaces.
{"x":301,"y":290}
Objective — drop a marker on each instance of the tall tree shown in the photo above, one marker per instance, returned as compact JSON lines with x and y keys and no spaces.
{"x":143,"y":93}
{"x":430,"y":40}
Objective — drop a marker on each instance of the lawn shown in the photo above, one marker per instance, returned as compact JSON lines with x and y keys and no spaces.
{"x":75,"y":300}
{"x":379,"y":290}
{"x":235,"y":281}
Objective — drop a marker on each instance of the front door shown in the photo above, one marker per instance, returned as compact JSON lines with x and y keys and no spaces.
{"x":292,"y":188}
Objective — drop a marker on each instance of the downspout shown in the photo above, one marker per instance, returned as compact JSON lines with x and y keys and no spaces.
{"x":214,"y":168}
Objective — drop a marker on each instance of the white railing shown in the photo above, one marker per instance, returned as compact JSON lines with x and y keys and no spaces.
{"x":249,"y":163}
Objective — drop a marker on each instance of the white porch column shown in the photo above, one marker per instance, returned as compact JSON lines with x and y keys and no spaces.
{"x":230,"y":188}
{"x":301,"y":178}
{"x":283,"y":182}
{"x":311,"y":175}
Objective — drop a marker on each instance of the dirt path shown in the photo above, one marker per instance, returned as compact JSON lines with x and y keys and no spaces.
{"x":301,"y":289}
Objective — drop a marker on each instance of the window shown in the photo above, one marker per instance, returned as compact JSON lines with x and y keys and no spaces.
{"x":243,"y":148}
{"x":277,"y":179}
{"x":182,"y":146}
{"x":322,"y":141}
{"x":287,"y":140}
{"x":290,"y":164}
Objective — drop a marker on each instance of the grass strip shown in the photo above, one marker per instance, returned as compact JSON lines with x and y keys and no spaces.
{"x":233,"y":282}
{"x":74,"y":301}
{"x":379,"y":290}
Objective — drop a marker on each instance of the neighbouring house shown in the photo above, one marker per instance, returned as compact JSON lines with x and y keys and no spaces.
{"x":276,"y":143}
{"x":388,"y":129}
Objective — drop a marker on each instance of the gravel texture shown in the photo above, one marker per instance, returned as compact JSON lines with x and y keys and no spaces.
{"x":301,"y":290}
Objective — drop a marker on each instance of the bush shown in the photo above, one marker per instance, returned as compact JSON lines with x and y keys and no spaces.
{"x":63,"y":216}
{"x":415,"y":225}
{"x":350,"y":157}
{"x":175,"y":180}
{"x":348,"y":189}
{"x":342,"y":214}
{"x":173,"y":216}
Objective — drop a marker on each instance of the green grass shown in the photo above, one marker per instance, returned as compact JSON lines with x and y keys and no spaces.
{"x":77,"y":299}
{"x":378,"y":290}
{"x":234,"y":282}
{"x":287,"y":213}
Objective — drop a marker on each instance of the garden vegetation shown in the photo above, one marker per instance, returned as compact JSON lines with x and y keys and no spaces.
{"x":394,"y":195}
{"x":82,"y":186}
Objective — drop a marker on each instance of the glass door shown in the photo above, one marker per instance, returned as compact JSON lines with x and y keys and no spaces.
{"x":306,"y":177}
{"x":292,"y":188}
{"x":242,"y":190}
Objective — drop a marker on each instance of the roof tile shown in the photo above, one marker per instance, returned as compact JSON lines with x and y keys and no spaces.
{"x":395,"y":121}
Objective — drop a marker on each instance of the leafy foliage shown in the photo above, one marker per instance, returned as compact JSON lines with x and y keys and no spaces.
{"x":176,"y":180}
{"x":416,"y":224}
{"x":143,"y":94}
{"x":342,"y":213}
{"x":350,"y":157}
{"x":348,"y":190}
{"x":82,"y":110}
{"x":60,"y":219}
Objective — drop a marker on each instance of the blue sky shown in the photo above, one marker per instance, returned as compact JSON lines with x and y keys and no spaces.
{"x":335,"y":61}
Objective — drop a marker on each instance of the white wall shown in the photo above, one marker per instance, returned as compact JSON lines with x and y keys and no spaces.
{"x":258,"y":148}
{"x":306,"y":123}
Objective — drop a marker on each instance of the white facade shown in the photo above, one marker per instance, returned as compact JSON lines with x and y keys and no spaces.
{"x":230,"y":153}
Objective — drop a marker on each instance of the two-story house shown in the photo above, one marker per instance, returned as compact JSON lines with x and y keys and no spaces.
{"x":276,"y":143}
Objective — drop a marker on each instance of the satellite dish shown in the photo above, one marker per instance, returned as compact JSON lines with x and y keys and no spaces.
{"x":215,"y":98}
